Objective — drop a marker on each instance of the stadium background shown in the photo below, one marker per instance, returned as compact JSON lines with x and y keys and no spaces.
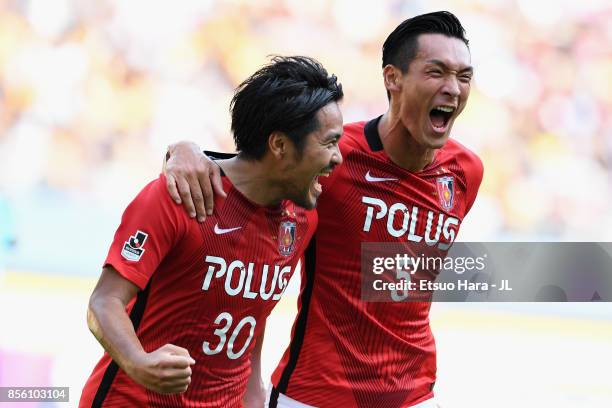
{"x":92,"y":92}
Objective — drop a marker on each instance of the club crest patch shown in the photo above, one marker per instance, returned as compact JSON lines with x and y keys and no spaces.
{"x":133,"y":247}
{"x":446,"y":191}
{"x":286,"y":237}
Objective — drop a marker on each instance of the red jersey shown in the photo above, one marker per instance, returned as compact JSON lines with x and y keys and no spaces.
{"x":346,"y":352}
{"x":207,"y":287}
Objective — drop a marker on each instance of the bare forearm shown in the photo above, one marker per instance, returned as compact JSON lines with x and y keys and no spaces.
{"x":166,"y":370}
{"x":110,"y":324}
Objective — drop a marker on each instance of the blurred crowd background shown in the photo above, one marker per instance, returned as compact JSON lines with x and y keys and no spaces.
{"x":92,"y":92}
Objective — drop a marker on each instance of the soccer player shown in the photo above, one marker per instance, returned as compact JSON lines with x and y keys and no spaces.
{"x":181,"y":306}
{"x":403,"y":180}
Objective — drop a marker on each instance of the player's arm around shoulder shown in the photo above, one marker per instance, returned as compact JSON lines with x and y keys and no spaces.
{"x":166,"y":370}
{"x":192,"y":179}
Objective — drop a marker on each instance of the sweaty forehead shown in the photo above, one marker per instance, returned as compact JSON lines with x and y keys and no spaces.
{"x":451,"y":51}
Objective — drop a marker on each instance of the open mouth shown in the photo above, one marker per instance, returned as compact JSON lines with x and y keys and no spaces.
{"x":318,"y":189}
{"x":440,"y":117}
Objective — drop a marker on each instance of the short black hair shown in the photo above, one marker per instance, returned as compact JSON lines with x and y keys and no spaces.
{"x":284,"y":96}
{"x":400,"y":47}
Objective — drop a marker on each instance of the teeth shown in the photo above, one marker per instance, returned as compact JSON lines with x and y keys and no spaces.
{"x":447,"y":109}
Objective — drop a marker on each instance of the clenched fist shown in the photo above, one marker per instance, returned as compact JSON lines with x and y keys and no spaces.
{"x":166,"y":370}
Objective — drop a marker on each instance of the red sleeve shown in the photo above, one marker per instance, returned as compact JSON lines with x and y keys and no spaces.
{"x":474,"y":171}
{"x":150,"y":227}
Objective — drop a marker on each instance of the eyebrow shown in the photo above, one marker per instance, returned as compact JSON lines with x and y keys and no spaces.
{"x":442,"y":65}
{"x":332,"y":136}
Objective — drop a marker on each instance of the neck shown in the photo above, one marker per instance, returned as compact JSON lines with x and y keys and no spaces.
{"x":252,"y":179}
{"x":400,"y":146}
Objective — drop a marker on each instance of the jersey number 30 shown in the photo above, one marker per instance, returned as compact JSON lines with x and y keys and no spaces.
{"x":222,"y":334}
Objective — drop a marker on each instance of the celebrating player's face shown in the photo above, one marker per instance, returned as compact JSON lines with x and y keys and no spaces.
{"x":435,"y":89}
{"x":319,"y":156}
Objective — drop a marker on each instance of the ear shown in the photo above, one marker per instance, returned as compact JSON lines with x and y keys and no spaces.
{"x":392,"y":77}
{"x":278,"y":144}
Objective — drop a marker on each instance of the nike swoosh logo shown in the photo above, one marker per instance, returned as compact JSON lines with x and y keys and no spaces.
{"x":220,"y":231}
{"x":373,"y":179}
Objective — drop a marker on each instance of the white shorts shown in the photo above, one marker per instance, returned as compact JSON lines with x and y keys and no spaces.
{"x":286,"y":402}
